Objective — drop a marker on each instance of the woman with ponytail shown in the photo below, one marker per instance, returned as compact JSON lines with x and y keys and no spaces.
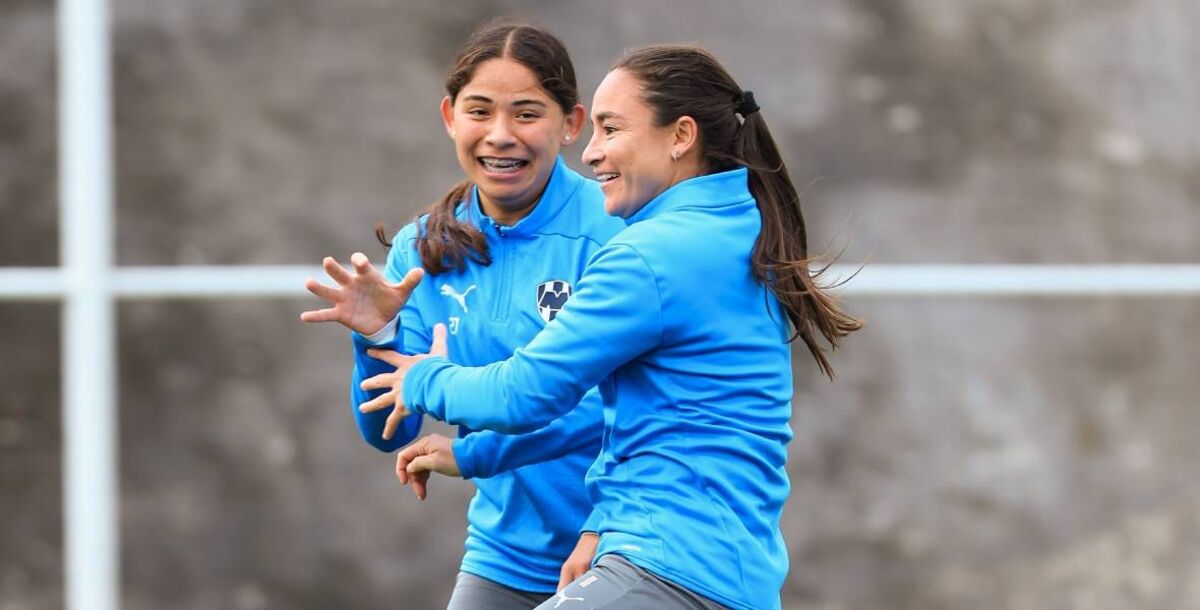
{"x":502,"y":251}
{"x":685,"y":320}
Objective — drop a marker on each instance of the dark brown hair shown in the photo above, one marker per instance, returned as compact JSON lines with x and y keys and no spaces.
{"x":682,"y":81}
{"x":443,"y":242}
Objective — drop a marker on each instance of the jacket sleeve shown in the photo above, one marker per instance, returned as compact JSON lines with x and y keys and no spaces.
{"x":487,"y":453}
{"x":412,"y":337}
{"x":592,"y":523}
{"x":613,"y":317}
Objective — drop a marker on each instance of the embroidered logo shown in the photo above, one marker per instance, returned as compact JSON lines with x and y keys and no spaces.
{"x":551,"y":296}
{"x":449,"y":291}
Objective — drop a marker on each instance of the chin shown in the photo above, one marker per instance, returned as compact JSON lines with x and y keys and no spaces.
{"x":612,"y":208}
{"x":504,"y":191}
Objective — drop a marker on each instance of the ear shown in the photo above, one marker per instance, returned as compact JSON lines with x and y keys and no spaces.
{"x":686,"y":136}
{"x":574,"y":122}
{"x":448,"y":116}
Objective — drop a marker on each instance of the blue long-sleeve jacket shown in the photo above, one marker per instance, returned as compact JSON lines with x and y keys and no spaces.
{"x":531,"y":503}
{"x":691,"y":357}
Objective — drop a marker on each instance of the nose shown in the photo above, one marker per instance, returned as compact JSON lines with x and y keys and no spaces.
{"x":592,"y":155}
{"x":500,"y":135}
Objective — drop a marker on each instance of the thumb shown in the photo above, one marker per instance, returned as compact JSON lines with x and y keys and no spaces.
{"x":438,"y":348}
{"x":411,"y":279}
{"x":421,"y":463}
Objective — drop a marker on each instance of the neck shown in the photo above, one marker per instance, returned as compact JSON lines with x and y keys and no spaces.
{"x":686,"y":168}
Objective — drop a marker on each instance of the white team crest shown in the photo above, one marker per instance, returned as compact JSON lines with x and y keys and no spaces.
{"x":449,"y":291}
{"x":551,"y":296}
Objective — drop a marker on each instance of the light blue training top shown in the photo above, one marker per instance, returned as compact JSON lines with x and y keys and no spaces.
{"x":530,"y":502}
{"x":692,"y":357}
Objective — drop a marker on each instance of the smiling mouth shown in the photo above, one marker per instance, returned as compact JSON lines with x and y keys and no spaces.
{"x":607,"y":177}
{"x":502,"y":165}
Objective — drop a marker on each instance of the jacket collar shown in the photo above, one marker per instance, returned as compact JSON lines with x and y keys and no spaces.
{"x":708,"y":191}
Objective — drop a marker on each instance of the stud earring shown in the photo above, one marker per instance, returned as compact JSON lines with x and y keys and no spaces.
{"x":674,"y":155}
{"x":567,"y":140}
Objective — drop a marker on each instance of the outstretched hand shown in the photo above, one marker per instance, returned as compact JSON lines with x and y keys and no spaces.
{"x":363,"y":301}
{"x":433,"y":453}
{"x":393,"y":382}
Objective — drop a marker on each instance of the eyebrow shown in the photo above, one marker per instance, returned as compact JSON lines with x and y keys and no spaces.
{"x":602,"y":116}
{"x":475,"y":97}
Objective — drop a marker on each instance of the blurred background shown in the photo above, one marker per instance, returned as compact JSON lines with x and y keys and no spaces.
{"x":981,"y":453}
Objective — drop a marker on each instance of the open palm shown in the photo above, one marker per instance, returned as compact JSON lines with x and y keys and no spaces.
{"x":363,"y":301}
{"x":393,"y":382}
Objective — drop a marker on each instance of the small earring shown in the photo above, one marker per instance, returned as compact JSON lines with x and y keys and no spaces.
{"x":453,"y":133}
{"x":674,"y":155}
{"x":567,"y":140}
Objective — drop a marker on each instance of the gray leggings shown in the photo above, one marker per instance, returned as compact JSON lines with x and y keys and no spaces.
{"x":614,"y":583}
{"x":472,"y":592}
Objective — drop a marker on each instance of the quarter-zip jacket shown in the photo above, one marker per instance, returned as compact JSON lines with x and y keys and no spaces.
{"x":692,"y":359}
{"x":530,"y":502}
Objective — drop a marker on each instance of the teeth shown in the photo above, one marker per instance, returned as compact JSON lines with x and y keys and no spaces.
{"x":502,"y":165}
{"x":607,"y":176}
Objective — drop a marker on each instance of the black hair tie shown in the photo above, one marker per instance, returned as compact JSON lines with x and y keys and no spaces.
{"x":746,"y":105}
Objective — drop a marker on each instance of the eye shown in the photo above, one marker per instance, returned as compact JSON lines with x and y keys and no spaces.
{"x":608,"y":129}
{"x":528,"y":115}
{"x":477,"y":112}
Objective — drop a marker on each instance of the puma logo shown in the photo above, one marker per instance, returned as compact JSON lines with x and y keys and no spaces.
{"x":449,"y":291}
{"x":561,"y":598}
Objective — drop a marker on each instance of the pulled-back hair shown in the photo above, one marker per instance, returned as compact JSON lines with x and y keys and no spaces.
{"x":680,"y":81}
{"x":444,"y":243}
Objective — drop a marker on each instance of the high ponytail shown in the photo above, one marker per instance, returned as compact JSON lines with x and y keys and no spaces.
{"x":687,"y":81}
{"x":780,"y":258}
{"x":444,"y":243}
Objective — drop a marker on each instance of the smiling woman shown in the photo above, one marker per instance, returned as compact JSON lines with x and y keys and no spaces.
{"x":634,"y":158}
{"x":684,"y":319}
{"x":507,"y":131}
{"x":504,"y":248}
{"x":511,"y":103}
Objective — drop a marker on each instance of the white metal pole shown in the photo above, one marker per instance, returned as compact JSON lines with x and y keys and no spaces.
{"x":88,"y":355}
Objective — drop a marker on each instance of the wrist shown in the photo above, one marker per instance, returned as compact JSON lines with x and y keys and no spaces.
{"x":384,"y":334}
{"x":460,"y":448}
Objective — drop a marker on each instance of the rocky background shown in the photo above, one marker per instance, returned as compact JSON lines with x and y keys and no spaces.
{"x":973,"y":453}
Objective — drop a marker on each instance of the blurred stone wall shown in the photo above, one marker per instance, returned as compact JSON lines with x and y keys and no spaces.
{"x":973,"y":453}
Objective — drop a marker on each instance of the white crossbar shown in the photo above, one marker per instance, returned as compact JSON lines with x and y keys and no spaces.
{"x":206,"y":282}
